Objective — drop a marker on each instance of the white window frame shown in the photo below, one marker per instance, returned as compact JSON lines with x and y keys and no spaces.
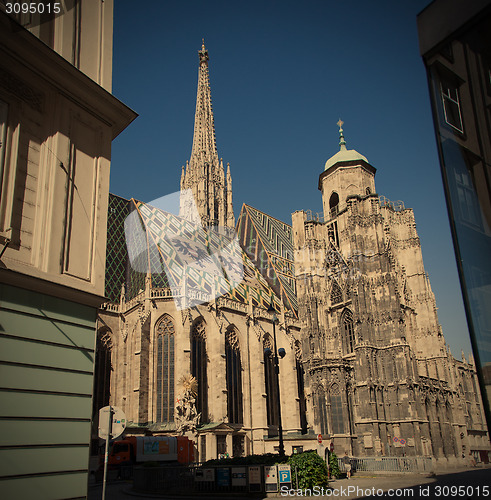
{"x":451,"y":94}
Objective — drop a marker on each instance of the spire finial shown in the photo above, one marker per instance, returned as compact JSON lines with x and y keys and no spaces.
{"x":342,"y":142}
{"x":203,"y":53}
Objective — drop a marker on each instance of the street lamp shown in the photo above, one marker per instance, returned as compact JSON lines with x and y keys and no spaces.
{"x":281,"y":447}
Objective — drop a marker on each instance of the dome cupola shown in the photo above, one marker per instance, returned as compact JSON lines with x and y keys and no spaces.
{"x":343,"y":155}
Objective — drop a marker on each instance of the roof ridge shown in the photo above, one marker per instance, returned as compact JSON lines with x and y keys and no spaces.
{"x":270,"y":216}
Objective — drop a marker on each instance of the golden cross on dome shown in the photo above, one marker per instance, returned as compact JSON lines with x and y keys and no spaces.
{"x":342,"y":142}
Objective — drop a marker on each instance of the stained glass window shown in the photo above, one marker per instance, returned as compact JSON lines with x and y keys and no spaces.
{"x":336,"y":410}
{"x":199,"y":361}
{"x":300,"y":387}
{"x":270,"y":383}
{"x":321,"y":408}
{"x":165,"y":369}
{"x":234,"y":377}
{"x":349,"y":332}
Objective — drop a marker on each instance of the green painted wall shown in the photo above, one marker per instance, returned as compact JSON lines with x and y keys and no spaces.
{"x":46,"y":376}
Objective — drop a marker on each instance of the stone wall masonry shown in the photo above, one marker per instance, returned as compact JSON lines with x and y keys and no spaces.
{"x":378,"y":266}
{"x":134,"y":358}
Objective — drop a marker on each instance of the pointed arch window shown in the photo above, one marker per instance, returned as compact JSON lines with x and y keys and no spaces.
{"x":165,"y":369}
{"x":102,"y":373}
{"x":199,"y":362}
{"x":349,"y":331}
{"x":321,"y":407}
{"x":336,"y":403}
{"x":301,"y":387}
{"x":234,"y":377}
{"x":336,"y":293}
{"x":334,"y":204}
{"x":270,"y":382}
{"x":216,"y":213}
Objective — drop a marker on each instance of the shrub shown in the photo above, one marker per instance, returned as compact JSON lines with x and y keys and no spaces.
{"x":309,"y":469}
{"x":333,"y":465}
{"x":266,"y":459}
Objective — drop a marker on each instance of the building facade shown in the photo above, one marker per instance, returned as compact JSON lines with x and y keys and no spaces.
{"x":57,"y":121}
{"x":455,"y":44}
{"x":365,"y":364}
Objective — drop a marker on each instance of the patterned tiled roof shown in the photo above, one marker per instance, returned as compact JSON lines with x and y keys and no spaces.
{"x":116,"y":253}
{"x":182,"y":254}
{"x":269,"y":243}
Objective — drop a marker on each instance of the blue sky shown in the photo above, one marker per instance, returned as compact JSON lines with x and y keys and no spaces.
{"x":282,"y":73}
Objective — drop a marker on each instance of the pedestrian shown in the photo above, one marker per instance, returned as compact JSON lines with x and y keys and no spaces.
{"x":347,"y":464}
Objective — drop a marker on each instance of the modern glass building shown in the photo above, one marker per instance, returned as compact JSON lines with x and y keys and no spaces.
{"x":455,"y":43}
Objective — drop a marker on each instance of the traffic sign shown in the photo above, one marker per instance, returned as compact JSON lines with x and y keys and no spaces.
{"x":118,"y":422}
{"x":319,"y":438}
{"x":284,"y":473}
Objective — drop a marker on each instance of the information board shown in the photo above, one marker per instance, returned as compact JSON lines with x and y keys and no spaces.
{"x":270,"y":478}
{"x":223,"y":477}
{"x":255,"y":478}
{"x":239,"y":476}
{"x":203,"y":475}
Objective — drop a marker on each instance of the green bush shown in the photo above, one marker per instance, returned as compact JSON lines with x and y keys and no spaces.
{"x":266,"y":459}
{"x":309,"y":469}
{"x":333,"y":465}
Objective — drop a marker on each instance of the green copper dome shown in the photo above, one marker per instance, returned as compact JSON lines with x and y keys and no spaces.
{"x":343,"y":154}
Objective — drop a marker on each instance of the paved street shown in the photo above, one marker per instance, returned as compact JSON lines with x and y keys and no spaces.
{"x":468,"y":483}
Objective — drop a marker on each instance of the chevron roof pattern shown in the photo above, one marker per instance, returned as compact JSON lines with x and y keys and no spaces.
{"x":269,"y":244}
{"x":202,"y":263}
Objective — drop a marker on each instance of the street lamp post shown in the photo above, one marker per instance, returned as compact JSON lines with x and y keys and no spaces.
{"x":276,"y":363}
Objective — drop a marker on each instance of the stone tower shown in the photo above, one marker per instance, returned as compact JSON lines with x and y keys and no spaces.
{"x":378,"y":372}
{"x":204,"y":176}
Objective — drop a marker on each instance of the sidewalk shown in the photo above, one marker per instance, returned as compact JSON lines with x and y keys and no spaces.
{"x":462,"y":483}
{"x":473,"y":482}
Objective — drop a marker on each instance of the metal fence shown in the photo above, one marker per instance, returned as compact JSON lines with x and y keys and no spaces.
{"x":156,"y":479}
{"x":194,"y":478}
{"x":389,"y":464}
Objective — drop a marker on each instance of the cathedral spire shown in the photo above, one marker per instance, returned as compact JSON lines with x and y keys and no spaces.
{"x":204,"y":145}
{"x":204,"y":174}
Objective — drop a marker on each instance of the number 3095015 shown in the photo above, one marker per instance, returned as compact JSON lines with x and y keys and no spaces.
{"x":33,"y":8}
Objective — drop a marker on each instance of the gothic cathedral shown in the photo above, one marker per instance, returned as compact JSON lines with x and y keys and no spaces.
{"x":343,"y":297}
